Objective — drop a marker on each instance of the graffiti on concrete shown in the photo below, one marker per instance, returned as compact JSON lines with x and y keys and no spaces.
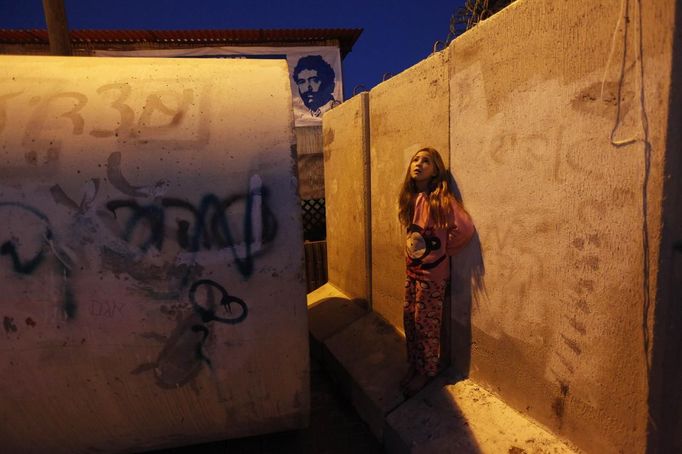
{"x":108,"y":309}
{"x":584,"y":253}
{"x":209,"y":227}
{"x":45,"y":247}
{"x":183,"y":352}
{"x":208,"y":314}
{"x":132,"y":123}
{"x":89,"y":195}
{"x":9,"y":246}
{"x":42,"y":113}
{"x":117,"y":180}
{"x":182,"y":355}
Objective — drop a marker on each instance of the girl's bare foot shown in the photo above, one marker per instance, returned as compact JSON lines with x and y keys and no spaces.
{"x":408,"y":377}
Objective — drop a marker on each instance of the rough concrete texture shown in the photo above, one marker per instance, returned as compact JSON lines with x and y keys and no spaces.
{"x":407,"y":112}
{"x":368,"y":359}
{"x":150,"y":254}
{"x":346,"y":173}
{"x":559,"y":121}
{"x":460,"y":417}
{"x":330,"y":311}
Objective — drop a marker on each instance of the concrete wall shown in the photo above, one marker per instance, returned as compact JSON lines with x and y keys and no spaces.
{"x":560,"y":124}
{"x":558,"y":147}
{"x":407,"y":112}
{"x":150,"y":254}
{"x":346,"y":172}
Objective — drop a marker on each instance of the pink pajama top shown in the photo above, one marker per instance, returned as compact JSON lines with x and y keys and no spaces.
{"x":428,"y":247}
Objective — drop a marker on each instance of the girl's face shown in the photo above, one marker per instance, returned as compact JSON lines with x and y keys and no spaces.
{"x":422,"y":168}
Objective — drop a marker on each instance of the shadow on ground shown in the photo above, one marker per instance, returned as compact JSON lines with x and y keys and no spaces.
{"x":334,"y":428}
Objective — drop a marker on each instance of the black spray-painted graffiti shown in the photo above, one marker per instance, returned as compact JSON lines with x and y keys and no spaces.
{"x":183,"y":353}
{"x":9,"y":247}
{"x":46,"y":247}
{"x":208,"y":314}
{"x":210,"y":227}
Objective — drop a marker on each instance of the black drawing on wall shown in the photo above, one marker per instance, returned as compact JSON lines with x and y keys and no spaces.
{"x":207,"y":312}
{"x":183,"y":352}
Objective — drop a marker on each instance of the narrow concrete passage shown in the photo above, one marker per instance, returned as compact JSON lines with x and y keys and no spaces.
{"x":335,"y":428}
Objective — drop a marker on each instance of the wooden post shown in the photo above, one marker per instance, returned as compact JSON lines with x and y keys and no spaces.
{"x":57,"y":27}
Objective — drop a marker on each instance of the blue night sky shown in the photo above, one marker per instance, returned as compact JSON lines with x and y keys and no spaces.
{"x":397,"y":34}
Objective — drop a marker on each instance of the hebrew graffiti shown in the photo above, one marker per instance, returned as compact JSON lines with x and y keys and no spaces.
{"x":208,"y":227}
{"x":162,"y":112}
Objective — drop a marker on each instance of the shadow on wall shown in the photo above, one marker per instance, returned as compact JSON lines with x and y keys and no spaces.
{"x":466,"y":286}
{"x":665,"y":369}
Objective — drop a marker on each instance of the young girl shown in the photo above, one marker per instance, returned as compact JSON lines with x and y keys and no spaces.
{"x":437,"y":227}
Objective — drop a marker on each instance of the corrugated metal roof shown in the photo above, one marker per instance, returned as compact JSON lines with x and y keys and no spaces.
{"x":346,"y":36}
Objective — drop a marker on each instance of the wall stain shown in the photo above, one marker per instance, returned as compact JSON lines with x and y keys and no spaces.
{"x":328,"y":137}
{"x":565,"y":363}
{"x":572,"y":344}
{"x":578,"y":243}
{"x":591,"y":100}
{"x":594,"y":239}
{"x":585,"y":284}
{"x":8,"y":324}
{"x":559,"y":404}
{"x":182,"y":356}
{"x":581,"y":304}
{"x":576,"y":325}
{"x":591,"y":262}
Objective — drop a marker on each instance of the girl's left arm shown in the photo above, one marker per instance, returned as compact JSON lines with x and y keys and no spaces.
{"x":460,"y":231}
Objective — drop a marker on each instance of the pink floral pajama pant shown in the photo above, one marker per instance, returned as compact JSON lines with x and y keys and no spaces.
{"x":422,"y":318}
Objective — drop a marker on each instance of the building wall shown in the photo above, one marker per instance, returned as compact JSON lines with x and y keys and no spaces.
{"x":407,"y":112}
{"x":80,"y":48}
{"x":559,"y":119}
{"x":346,"y":172}
{"x":145,"y":204}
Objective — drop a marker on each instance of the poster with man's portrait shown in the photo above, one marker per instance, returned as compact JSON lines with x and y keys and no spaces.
{"x":316,"y":83}
{"x":315,"y":72}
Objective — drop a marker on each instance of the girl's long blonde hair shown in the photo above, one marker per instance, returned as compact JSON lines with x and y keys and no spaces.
{"x":439,"y":193}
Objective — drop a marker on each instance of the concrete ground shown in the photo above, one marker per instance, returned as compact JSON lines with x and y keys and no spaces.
{"x":335,"y":428}
{"x":451,"y":415}
{"x":363,"y":403}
